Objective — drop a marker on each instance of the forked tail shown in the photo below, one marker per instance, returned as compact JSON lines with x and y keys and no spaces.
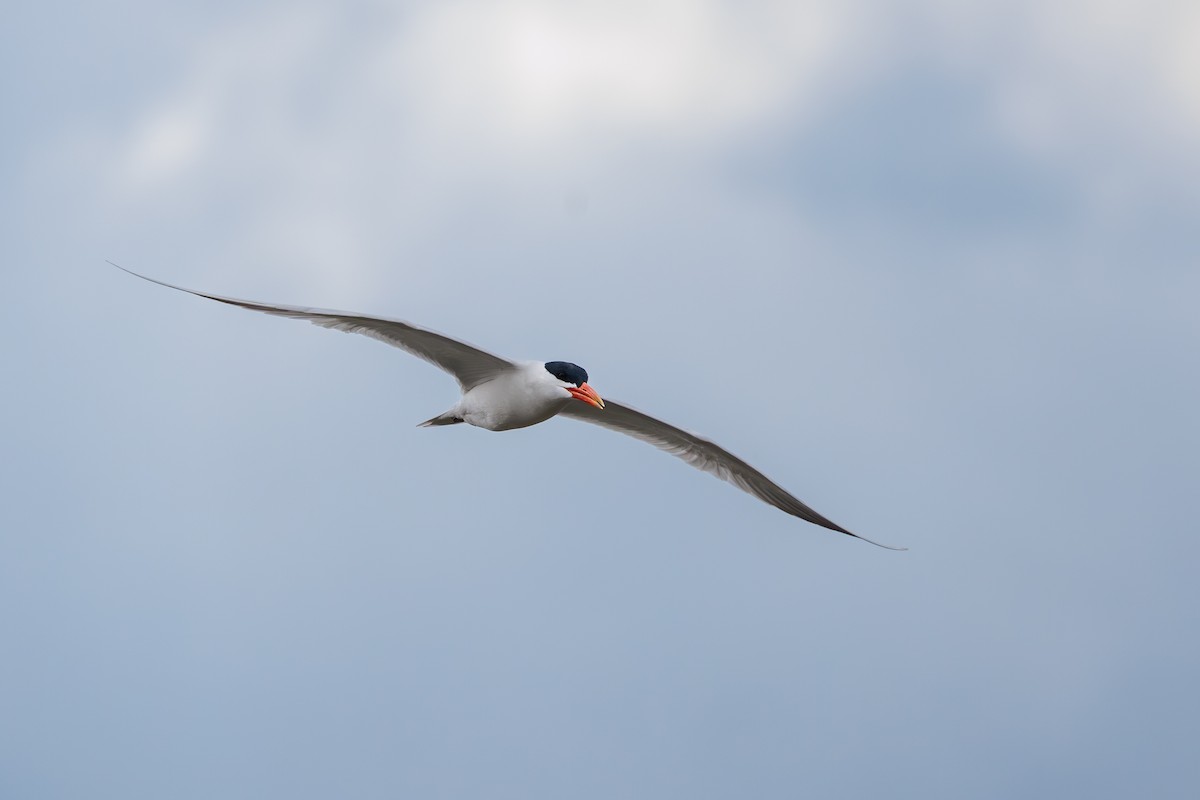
{"x":447,"y":418}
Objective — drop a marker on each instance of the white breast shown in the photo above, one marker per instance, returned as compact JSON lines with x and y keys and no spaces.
{"x":517,"y":399}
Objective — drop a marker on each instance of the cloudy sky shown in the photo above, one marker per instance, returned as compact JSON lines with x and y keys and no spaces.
{"x":932,"y":266}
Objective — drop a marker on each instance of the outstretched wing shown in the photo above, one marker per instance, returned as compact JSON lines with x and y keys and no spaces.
{"x":701,"y":454}
{"x":469,"y":365}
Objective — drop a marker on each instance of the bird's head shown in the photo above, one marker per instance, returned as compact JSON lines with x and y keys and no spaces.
{"x":573,"y":379}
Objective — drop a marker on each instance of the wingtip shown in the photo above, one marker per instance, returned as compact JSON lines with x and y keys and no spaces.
{"x":110,"y":262}
{"x":840,"y":529}
{"x":879,"y":544}
{"x":148,"y":279}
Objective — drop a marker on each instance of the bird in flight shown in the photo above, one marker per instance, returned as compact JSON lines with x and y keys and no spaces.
{"x":500,"y":395}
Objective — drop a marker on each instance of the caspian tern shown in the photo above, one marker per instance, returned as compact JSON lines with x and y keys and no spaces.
{"x":500,"y":395}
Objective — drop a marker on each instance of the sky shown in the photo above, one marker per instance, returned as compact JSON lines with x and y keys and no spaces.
{"x":931,"y":266}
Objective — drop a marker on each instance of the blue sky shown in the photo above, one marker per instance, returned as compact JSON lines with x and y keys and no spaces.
{"x":932,"y":267}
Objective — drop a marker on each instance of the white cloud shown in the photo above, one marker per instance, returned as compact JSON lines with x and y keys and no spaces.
{"x":1080,"y":80}
{"x":166,"y":142}
{"x":473,"y":88}
{"x":476,"y":85}
{"x":234,"y":102}
{"x":345,"y":144}
{"x":535,"y":74}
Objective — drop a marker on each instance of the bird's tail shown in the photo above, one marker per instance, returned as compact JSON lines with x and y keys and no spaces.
{"x":447,"y":418}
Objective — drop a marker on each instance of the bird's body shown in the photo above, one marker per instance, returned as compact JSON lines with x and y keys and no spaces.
{"x":500,"y":395}
{"x":523,"y":396}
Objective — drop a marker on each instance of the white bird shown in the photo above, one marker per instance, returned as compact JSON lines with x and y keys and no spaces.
{"x":500,"y":395}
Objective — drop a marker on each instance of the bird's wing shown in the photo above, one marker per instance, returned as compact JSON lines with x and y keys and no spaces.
{"x":702,"y":454}
{"x":469,"y":365}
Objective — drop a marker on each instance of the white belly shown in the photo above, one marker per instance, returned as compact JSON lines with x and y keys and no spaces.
{"x":511,"y":401}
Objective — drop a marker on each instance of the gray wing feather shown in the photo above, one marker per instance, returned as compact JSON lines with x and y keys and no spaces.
{"x":703,"y":455}
{"x":468,"y":364}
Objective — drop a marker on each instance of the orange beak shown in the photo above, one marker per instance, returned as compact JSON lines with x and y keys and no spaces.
{"x":587,"y":394}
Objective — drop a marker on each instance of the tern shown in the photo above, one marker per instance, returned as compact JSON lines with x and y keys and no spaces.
{"x":500,"y":395}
